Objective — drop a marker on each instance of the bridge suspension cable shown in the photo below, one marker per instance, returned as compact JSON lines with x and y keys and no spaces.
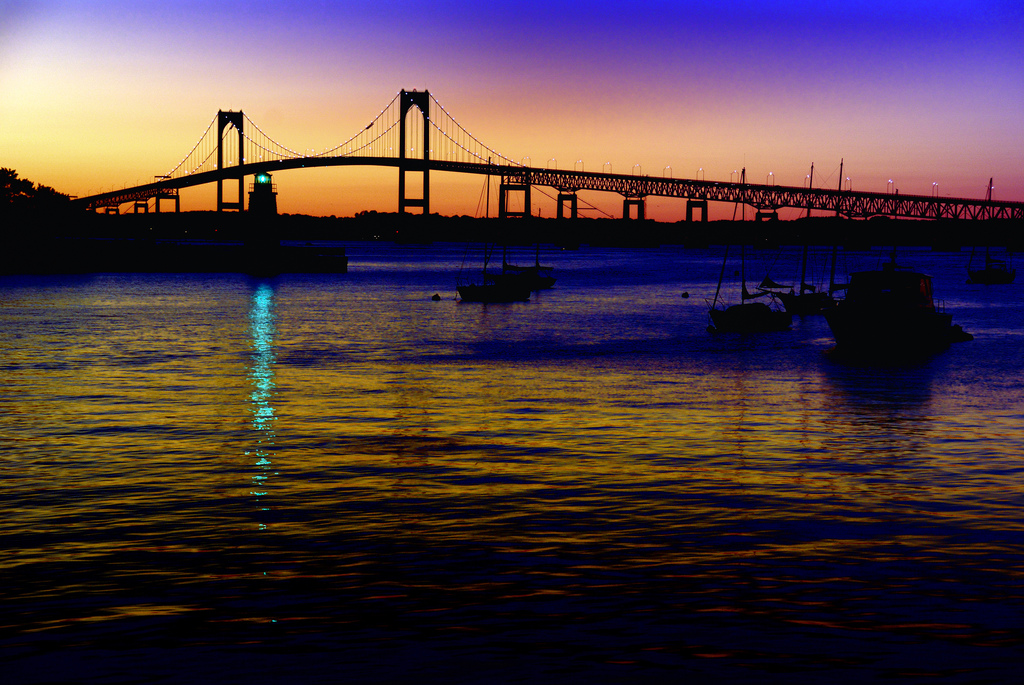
{"x":378,"y":139}
{"x":197,"y":156}
{"x":451,"y":142}
{"x":265,"y":148}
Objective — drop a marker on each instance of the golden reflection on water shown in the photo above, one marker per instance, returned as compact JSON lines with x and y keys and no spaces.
{"x":693,"y":502}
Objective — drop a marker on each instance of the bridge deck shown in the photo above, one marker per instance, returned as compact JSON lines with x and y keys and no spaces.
{"x":762,"y":197}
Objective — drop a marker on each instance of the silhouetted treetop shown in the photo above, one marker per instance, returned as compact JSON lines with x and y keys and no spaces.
{"x":20,"y":194}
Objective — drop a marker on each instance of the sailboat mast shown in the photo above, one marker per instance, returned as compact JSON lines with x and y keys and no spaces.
{"x":487,"y":211}
{"x":721,"y":275}
{"x":832,"y":271}
{"x":835,"y":247}
{"x":743,"y":272}
{"x":988,"y":210}
{"x":743,"y":181}
{"x":840,"y":185}
{"x":810,"y":184}
{"x":803,"y":269}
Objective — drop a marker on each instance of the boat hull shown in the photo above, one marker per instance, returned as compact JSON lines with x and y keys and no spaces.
{"x":493,"y":292}
{"x":750,"y":317}
{"x":991,"y":276}
{"x":807,"y":303}
{"x":530,"y":277}
{"x":899,"y":333}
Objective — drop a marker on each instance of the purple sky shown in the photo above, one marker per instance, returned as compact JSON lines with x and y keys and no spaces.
{"x":105,"y":94}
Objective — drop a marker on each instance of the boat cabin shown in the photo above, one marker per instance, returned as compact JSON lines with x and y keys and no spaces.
{"x":890,"y":289}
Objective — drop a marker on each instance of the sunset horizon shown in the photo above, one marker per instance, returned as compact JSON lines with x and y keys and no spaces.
{"x":920,"y":97}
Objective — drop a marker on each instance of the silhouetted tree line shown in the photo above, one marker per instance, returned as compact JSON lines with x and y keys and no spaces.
{"x":19,"y":197}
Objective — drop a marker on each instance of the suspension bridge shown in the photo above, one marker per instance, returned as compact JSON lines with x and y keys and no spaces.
{"x":417,"y":136}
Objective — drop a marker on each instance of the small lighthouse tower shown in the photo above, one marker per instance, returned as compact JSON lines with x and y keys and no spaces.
{"x":263,"y":196}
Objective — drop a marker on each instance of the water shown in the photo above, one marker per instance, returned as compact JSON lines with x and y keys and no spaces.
{"x":324,"y":478}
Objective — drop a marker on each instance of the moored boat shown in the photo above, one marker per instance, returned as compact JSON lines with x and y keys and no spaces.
{"x":748,"y":316}
{"x":532,"y":277}
{"x":891,"y":312}
{"x":493,"y":291}
{"x":806,"y":302}
{"x":535,"y":277}
{"x":810,"y":300}
{"x":995,"y":271}
{"x":493,"y":287}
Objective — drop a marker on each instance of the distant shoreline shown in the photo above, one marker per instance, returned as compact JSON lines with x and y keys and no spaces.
{"x":207,"y":241}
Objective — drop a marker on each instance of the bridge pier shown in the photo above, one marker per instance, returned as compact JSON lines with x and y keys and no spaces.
{"x":141,"y":204}
{"x":225,"y":119}
{"x":504,"y":188}
{"x":573,"y":205}
{"x":630,"y":202}
{"x":167,"y":196}
{"x":420,"y":100}
{"x":170,"y":194}
{"x":769,"y":216}
{"x":691,"y":205}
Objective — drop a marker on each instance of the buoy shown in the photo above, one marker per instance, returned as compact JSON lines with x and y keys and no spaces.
{"x":685,"y":295}
{"x":435,"y":297}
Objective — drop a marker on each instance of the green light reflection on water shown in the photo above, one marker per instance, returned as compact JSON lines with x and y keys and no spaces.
{"x":262,"y":326}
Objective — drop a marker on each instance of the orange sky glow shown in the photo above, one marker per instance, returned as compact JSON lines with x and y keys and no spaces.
{"x":99,"y":96}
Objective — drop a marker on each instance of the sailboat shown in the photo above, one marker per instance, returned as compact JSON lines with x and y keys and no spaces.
{"x":493,"y":287}
{"x":535,"y":277}
{"x":995,"y":272}
{"x":748,"y":316}
{"x":810,"y":300}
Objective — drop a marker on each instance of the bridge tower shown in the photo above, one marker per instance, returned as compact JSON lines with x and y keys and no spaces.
{"x":421,"y":99}
{"x":225,"y":119}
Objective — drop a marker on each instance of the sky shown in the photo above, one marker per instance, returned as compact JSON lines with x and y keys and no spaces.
{"x":96,"y":96}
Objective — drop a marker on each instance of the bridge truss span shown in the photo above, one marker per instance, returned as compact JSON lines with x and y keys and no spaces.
{"x":770,"y":198}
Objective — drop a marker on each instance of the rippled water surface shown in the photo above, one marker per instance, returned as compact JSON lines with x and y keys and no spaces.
{"x":334,"y":478}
